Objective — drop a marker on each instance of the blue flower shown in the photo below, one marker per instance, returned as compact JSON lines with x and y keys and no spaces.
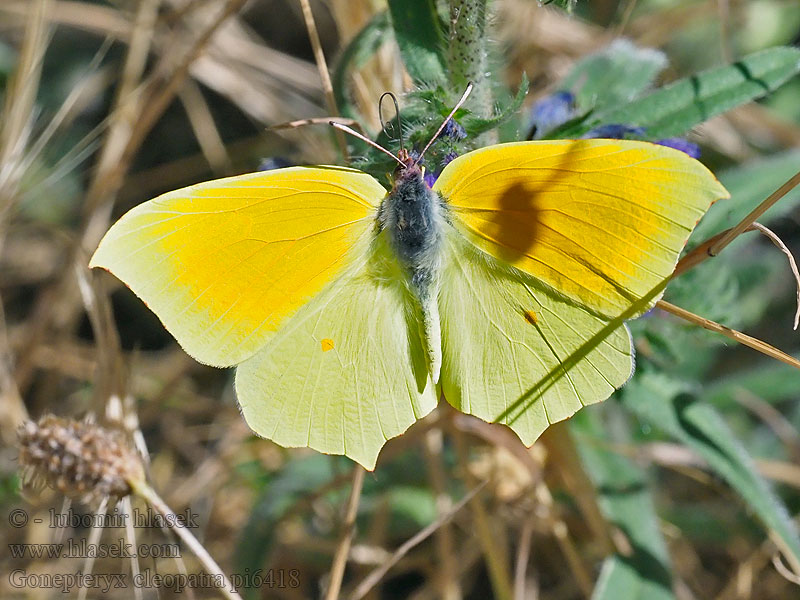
{"x":454,"y":130}
{"x":431,"y":176}
{"x":615,"y":131}
{"x":275,"y":162}
{"x":550,"y":112}
{"x":620,"y":131}
{"x":681,"y":144}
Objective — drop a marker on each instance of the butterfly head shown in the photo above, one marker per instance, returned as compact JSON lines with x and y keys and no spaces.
{"x":408,"y":166}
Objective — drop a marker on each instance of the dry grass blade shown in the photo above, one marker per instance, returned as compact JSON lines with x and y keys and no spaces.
{"x":19,"y":104}
{"x":698,"y":254}
{"x":205,"y":129}
{"x":346,"y":539}
{"x":319,"y":56}
{"x":82,"y":15}
{"x":561,"y":533}
{"x":111,"y":373}
{"x":130,"y":534}
{"x":447,"y":582}
{"x":371,"y":580}
{"x":792,"y":263}
{"x":152,"y":101}
{"x":88,"y":87}
{"x":563,"y":454}
{"x":154,"y":500}
{"x":12,"y":409}
{"x":703,"y":251}
{"x":523,"y":556}
{"x":493,"y":553}
{"x":317,"y":121}
{"x":18,"y":113}
{"x":264,"y":83}
{"x":324,"y":74}
{"x":724,"y":11}
{"x":94,"y":539}
{"x":745,"y":223}
{"x":127,"y":106}
{"x":155,"y":98}
{"x":777,"y":562}
{"x":737,"y":336}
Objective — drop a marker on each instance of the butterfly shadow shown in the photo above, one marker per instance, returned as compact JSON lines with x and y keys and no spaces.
{"x":517,"y":225}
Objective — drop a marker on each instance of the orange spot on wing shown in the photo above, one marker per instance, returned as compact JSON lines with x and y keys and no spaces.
{"x":531,"y":317}
{"x":327,"y":344}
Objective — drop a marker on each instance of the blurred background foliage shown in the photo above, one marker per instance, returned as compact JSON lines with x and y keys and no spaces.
{"x":685,"y":484}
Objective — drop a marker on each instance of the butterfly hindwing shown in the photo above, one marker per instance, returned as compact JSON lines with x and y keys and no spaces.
{"x":223,"y":263}
{"x":348,"y":371}
{"x":516,"y":352}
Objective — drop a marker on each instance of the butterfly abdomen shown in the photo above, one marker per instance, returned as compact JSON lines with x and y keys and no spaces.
{"x":411,"y":216}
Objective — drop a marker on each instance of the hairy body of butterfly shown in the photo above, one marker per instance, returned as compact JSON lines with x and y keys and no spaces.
{"x":412,"y":216}
{"x":350,"y":311}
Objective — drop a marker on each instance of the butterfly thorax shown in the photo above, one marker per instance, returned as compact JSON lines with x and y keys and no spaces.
{"x":411,"y":216}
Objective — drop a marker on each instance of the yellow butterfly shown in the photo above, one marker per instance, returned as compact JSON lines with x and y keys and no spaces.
{"x":350,"y":310}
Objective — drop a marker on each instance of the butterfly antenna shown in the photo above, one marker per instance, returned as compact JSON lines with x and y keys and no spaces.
{"x":363,"y":138}
{"x":385,"y":124}
{"x":458,"y":105}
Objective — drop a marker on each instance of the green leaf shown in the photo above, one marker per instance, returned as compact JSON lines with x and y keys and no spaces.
{"x":626,"y":501}
{"x":676,"y":108}
{"x":419,"y":35}
{"x":567,"y":5}
{"x":362,"y":47}
{"x":771,"y":382}
{"x":475,"y":126}
{"x":662,"y":403}
{"x":620,"y":579}
{"x":413,"y":507}
{"x":615,"y":75}
{"x":297,"y":479}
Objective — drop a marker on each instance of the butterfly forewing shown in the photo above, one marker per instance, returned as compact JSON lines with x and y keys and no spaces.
{"x":553,"y":245}
{"x":599,"y":221}
{"x":223,"y":263}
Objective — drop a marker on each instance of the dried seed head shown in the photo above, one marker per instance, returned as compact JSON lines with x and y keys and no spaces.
{"x":79,"y":459}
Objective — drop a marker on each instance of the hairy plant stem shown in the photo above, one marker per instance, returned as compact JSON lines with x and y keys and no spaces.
{"x":467,"y":53}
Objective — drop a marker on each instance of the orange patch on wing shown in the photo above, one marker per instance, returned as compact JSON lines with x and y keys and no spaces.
{"x":327,"y":344}
{"x":531,"y":317}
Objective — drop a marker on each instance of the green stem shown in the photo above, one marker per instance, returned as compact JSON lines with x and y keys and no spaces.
{"x":467,"y":53}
